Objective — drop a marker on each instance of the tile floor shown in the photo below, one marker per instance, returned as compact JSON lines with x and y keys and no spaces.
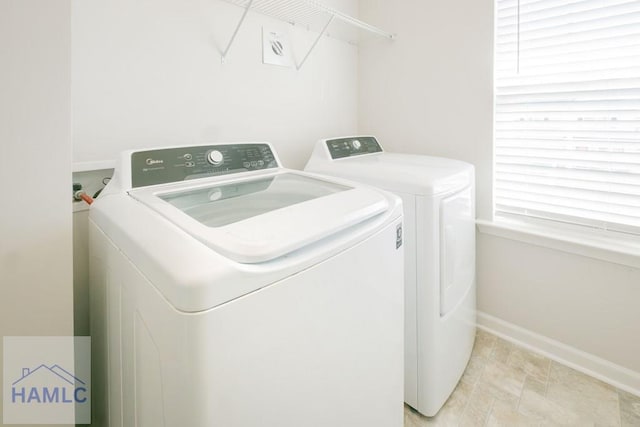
{"x":506,"y":385}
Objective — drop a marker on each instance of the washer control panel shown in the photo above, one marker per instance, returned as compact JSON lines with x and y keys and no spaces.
{"x":353,"y":146}
{"x":162,"y":166}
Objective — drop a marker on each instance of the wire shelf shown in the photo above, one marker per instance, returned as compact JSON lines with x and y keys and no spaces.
{"x":314,"y":16}
{"x":311,"y":15}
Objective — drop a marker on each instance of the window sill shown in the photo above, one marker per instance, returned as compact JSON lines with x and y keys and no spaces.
{"x":611,"y":247}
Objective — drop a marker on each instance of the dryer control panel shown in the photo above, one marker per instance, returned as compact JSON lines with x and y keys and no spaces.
{"x":166,"y":165}
{"x":353,"y":146}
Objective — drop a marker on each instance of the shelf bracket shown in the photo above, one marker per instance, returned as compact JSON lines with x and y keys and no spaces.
{"x":324,"y":30}
{"x":235,"y":33}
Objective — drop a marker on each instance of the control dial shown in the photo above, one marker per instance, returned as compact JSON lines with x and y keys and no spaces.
{"x":215,"y":157}
{"x":356,"y":144}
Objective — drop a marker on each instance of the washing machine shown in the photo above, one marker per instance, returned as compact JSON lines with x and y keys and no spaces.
{"x":440,"y":292}
{"x":228,"y":291}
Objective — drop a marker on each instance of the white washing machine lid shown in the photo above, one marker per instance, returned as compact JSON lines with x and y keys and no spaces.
{"x":408,"y":173}
{"x":259,"y":218}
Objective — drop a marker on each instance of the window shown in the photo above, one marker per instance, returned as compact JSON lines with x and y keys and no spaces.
{"x":567,"y":121}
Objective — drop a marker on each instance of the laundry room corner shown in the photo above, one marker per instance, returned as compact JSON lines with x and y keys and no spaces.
{"x":338,"y":213}
{"x":548,"y":288}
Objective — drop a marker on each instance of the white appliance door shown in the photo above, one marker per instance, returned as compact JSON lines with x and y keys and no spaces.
{"x":457,"y":248}
{"x":259,"y":219}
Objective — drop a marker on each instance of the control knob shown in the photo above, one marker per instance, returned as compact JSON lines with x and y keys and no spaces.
{"x":215,"y":157}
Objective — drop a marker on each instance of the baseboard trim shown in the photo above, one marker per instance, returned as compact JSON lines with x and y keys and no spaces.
{"x":616,"y":375}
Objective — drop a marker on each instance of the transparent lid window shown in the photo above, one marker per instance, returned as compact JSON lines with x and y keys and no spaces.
{"x":220,"y":205}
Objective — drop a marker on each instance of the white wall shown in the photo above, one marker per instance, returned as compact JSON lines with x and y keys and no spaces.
{"x":35,"y":168}
{"x":583,"y":302}
{"x":149,"y":72}
{"x":430,"y":92}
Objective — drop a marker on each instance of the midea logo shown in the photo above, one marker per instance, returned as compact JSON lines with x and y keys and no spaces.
{"x":152,"y":162}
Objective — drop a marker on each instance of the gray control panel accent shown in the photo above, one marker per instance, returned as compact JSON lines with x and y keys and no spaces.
{"x":353,"y":146}
{"x":179,"y":164}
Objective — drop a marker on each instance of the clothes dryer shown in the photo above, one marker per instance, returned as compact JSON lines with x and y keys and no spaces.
{"x":439,"y":233}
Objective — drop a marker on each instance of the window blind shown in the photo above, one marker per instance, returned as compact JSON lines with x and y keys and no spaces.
{"x":567,"y":116}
